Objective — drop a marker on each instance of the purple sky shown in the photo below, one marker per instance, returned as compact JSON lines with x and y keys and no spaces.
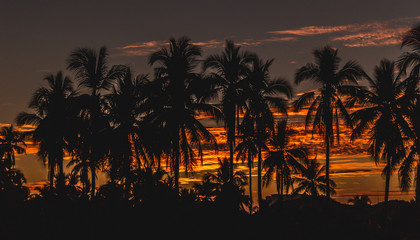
{"x":37,"y":36}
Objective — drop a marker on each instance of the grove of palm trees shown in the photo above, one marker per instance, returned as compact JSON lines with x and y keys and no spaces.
{"x":145,"y":132}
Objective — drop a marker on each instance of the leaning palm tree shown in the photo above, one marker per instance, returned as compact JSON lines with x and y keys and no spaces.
{"x":284,"y":160}
{"x":11,"y":142}
{"x":94,"y":75}
{"x":325,"y":104}
{"x":179,"y":104}
{"x":51,"y":118}
{"x":381,"y":116}
{"x":228,"y":70}
{"x":312,"y":180}
{"x":264,"y":93}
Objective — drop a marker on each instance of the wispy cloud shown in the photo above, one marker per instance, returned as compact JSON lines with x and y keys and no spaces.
{"x":373,"y":35}
{"x":146,"y":48}
{"x":376,"y":33}
{"x":141,"y":48}
{"x":310,"y":30}
{"x":358,"y":35}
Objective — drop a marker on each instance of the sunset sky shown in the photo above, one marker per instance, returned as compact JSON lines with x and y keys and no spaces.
{"x":36,"y":37}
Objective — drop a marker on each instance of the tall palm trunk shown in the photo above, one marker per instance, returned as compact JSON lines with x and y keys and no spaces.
{"x":281,"y":184}
{"x":93,"y":176}
{"x":61,"y":177}
{"x":259,"y":177}
{"x":327,"y":167}
{"x":418,"y":183}
{"x":387,"y":177}
{"x":250,"y":182}
{"x":176,"y":156}
{"x":52,"y":171}
{"x":231,"y":160}
{"x":328,"y":135}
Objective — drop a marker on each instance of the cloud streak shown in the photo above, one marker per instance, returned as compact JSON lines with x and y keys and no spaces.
{"x":310,"y":30}
{"x":358,"y":35}
{"x":371,"y":34}
{"x":146,"y":48}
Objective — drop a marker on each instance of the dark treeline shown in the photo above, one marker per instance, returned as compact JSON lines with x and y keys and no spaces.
{"x":143,"y":130}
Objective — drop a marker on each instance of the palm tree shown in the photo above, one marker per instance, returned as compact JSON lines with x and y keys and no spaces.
{"x":325,"y":103}
{"x":382,"y":117}
{"x":12,"y":180}
{"x":284,"y":160}
{"x":228,"y":70}
{"x":92,"y":72}
{"x":179,"y":103}
{"x":262,"y":94}
{"x":360,"y":200}
{"x":122,"y":106}
{"x":11,"y":142}
{"x":247,"y":149}
{"x":219,"y":188}
{"x":411,"y":61}
{"x":51,"y":118}
{"x":312,"y":181}
{"x":411,"y":163}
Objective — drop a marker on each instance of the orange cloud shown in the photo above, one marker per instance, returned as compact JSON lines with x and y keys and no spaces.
{"x":359,"y":35}
{"x":311,"y":30}
{"x":146,"y":48}
{"x":380,"y":36}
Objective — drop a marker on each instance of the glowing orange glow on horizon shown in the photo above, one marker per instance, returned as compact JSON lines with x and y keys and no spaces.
{"x":349,"y":159}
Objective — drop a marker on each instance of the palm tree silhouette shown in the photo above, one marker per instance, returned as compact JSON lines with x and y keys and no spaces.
{"x":11,"y":142}
{"x":284,"y":160}
{"x":360,"y":200}
{"x":325,"y":101}
{"x":51,"y":117}
{"x":381,"y":115}
{"x":12,"y":180}
{"x":122,"y":107}
{"x":228,"y":71}
{"x":410,"y":61}
{"x":312,"y":181}
{"x":180,"y":104}
{"x":248,"y":148}
{"x":263,"y":93}
{"x":92,"y":72}
{"x":220,"y":188}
